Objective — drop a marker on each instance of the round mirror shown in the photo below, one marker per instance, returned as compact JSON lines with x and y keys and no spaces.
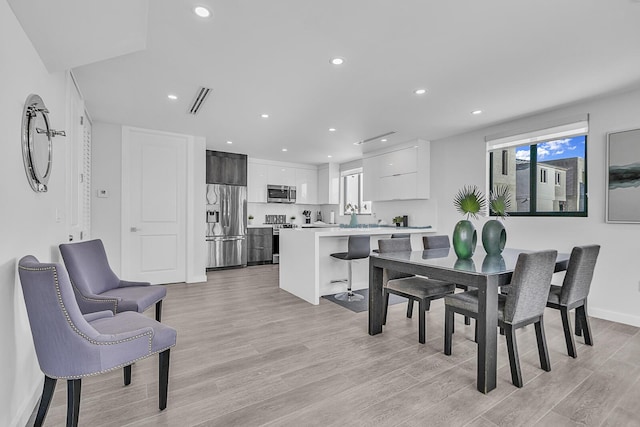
{"x":36,"y":143}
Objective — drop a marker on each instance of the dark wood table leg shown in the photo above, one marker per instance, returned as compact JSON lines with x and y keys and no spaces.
{"x":487,"y":334}
{"x":375,"y":299}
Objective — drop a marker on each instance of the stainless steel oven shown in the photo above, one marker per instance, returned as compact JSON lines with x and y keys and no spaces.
{"x":281,"y":194}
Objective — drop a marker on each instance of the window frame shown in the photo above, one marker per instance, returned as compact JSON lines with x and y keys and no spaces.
{"x":343,"y":191}
{"x":533,"y":182}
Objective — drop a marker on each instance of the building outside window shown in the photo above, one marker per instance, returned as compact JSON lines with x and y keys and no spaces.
{"x":351,"y":191}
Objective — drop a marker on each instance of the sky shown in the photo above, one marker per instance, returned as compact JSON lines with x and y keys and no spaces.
{"x":558,"y":149}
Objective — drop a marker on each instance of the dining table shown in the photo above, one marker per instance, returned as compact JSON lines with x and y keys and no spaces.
{"x":484,"y":272}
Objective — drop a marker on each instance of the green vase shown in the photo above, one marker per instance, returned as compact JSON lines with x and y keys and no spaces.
{"x":494,"y":237}
{"x":465,"y":238}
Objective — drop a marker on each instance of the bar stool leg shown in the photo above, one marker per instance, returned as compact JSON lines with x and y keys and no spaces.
{"x":349,"y":295}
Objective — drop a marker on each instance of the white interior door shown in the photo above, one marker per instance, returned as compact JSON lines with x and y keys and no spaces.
{"x":154,"y":205}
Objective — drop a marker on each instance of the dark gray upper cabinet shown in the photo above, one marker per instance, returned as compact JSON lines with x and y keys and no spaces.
{"x":226,"y":168}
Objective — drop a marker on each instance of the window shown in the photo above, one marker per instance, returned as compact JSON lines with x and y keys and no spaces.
{"x":550,"y":177}
{"x":351,"y":190}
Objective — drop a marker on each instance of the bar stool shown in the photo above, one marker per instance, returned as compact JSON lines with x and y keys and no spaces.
{"x":358,"y":248}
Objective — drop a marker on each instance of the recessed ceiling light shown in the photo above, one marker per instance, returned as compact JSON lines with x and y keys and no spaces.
{"x":420,"y":91}
{"x":329,"y":156}
{"x":337,"y":61}
{"x":229,"y":142}
{"x":476,"y":112}
{"x":264,"y":116}
{"x":202,"y":11}
{"x":172,"y":97}
{"x":332,"y":129}
{"x":284,"y":149}
{"x":383,"y":140}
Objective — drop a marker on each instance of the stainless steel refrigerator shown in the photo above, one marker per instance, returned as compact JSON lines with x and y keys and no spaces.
{"x":226,"y":233}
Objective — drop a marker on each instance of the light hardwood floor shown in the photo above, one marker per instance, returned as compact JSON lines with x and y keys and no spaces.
{"x":250,"y":354}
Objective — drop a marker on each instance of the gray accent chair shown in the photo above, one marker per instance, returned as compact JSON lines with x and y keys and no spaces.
{"x":358,"y":247}
{"x":573,"y":294}
{"x":524,"y":305}
{"x":71,"y":346}
{"x":441,"y":241}
{"x":97,"y":287}
{"x":415,"y":288}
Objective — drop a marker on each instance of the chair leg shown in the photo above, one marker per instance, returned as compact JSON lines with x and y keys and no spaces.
{"x":448,"y":330}
{"x":45,"y":400}
{"x":581,"y":312}
{"x":73,"y":402}
{"x":127,"y":375}
{"x":410,"y":309}
{"x":514,"y":359}
{"x":386,"y":306}
{"x":475,"y":332}
{"x":543,"y":351}
{"x":421,"y":321}
{"x":578,"y":325}
{"x":159,"y":311}
{"x":163,"y":380}
{"x":568,"y":335}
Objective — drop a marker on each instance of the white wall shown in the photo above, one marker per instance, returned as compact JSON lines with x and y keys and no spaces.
{"x":28,"y":222}
{"x":615,"y":292}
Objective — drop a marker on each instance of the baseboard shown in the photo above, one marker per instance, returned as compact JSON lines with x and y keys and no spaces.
{"x":197,"y":279}
{"x":29,"y":407}
{"x":614,"y":316}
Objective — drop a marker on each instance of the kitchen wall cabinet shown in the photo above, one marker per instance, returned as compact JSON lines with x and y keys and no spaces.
{"x":399,"y":173}
{"x":306,"y":186}
{"x":329,"y":184}
{"x":226,"y":168}
{"x":281,"y":175}
{"x":256,"y":182}
{"x":259,"y":245}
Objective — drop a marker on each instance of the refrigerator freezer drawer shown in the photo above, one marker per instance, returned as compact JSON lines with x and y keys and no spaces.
{"x":227,"y":252}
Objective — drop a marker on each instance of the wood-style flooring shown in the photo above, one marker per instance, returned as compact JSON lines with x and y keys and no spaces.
{"x":250,"y":354}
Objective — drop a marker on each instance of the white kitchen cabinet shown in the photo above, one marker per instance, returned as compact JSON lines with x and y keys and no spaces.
{"x":281,"y":175}
{"x":398,"y":173}
{"x":306,"y":186}
{"x":329,"y":184}
{"x":256,"y":182}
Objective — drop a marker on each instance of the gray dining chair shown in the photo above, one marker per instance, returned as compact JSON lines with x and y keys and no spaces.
{"x":358,"y":247}
{"x":71,"y":346}
{"x":524,"y":305}
{"x":414,"y":288}
{"x":573,"y":294}
{"x":441,"y":241}
{"x":98,"y":288}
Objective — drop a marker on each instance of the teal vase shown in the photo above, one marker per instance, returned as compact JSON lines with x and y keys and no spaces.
{"x":465,"y":238}
{"x":493,"y":264}
{"x":494,"y":237}
{"x":354,"y":220}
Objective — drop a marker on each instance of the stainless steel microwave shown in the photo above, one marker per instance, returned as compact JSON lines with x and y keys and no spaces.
{"x":281,"y":194}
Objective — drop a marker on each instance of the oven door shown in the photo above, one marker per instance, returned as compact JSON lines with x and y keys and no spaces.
{"x":277,"y":194}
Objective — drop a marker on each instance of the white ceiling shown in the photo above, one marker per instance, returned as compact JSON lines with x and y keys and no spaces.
{"x":508,"y":58}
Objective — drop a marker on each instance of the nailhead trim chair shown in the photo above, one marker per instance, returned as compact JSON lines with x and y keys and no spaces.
{"x":97,"y":287}
{"x":573,"y":294}
{"x":523,"y":305}
{"x":415,"y":288}
{"x":358,"y":247}
{"x":72,"y":346}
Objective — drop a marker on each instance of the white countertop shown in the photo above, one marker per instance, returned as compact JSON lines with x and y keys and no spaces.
{"x":345,"y":231}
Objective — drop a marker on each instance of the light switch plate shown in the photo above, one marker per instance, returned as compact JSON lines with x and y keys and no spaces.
{"x":103,"y":193}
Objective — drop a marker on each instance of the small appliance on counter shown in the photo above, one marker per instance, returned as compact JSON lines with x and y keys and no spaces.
{"x":319,"y":216}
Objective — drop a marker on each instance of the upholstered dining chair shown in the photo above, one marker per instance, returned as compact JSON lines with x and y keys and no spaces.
{"x":441,"y":241}
{"x":523,"y":305}
{"x":573,"y":294}
{"x":97,"y":287}
{"x":415,"y":288}
{"x":71,"y":346}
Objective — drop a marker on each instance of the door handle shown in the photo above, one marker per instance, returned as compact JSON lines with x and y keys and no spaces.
{"x":134,"y":229}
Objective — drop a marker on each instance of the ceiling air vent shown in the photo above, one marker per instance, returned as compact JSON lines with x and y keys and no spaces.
{"x":201,"y":96}
{"x":374,"y":138}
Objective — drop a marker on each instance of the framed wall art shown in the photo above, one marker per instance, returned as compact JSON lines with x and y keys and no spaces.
{"x":623,"y":177}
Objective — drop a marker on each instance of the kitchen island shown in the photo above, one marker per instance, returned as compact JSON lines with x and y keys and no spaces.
{"x":307,"y":269}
